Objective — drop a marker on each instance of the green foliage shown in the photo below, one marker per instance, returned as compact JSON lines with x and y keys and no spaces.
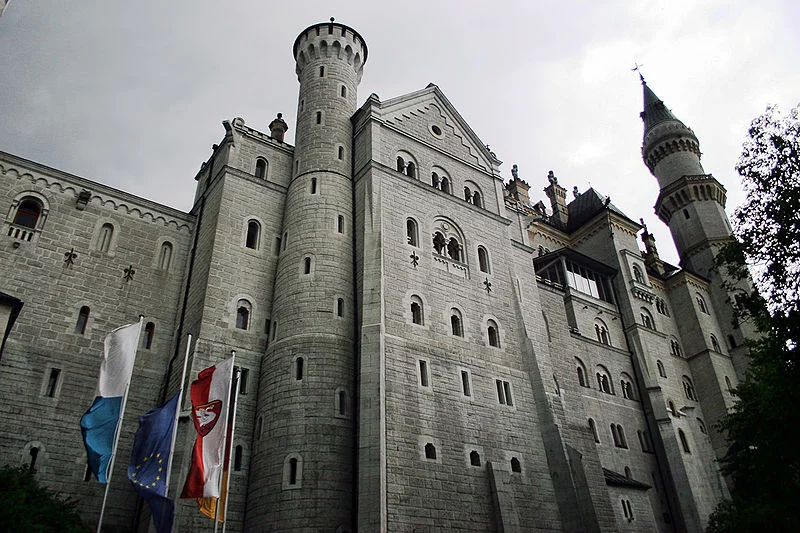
{"x":31,"y":508}
{"x":763,"y":429}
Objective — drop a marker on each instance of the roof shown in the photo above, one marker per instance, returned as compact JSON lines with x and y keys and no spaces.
{"x":587,"y":205}
{"x":655,"y":111}
{"x":619,"y":480}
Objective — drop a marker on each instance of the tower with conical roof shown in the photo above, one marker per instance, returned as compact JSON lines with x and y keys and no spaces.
{"x":303,"y":461}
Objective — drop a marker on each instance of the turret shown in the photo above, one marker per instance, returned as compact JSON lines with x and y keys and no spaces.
{"x":303,"y":467}
{"x":558,"y":199}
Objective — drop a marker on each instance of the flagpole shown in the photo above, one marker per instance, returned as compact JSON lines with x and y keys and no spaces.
{"x":177,"y":418}
{"x":237,"y":374}
{"x":110,"y":470}
{"x":225,"y":445}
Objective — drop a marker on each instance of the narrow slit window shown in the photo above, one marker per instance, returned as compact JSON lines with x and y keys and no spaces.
{"x":52,"y":382}
{"x":340,"y":224}
{"x":474,"y":458}
{"x":313,"y":185}
{"x":321,"y":71}
{"x":298,"y":368}
{"x":340,"y":307}
{"x":237,"y":459}
{"x":106,"y":233}
{"x":466,"y":388}
{"x":515,"y":465}
{"x":344,"y":92}
{"x":342,"y":403}
{"x":149,"y":332}
{"x":244,"y":375}
{"x":430,"y":451}
{"x":307,"y":265}
{"x":165,"y":256}
{"x":341,"y":153}
{"x":424,"y":379}
{"x":319,"y":117}
{"x":83,"y":319}
{"x":253,"y":232}
{"x":34,"y":456}
{"x":292,"y":471}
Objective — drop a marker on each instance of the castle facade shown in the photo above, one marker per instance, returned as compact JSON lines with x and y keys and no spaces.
{"x":422,"y":348}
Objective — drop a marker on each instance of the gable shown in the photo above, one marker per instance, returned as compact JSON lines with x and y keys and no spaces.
{"x":430,"y":118}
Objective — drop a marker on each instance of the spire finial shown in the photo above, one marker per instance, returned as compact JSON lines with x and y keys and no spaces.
{"x":638,"y":69}
{"x":332,"y":19}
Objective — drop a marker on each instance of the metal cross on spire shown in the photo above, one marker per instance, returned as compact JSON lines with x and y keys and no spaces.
{"x":638,"y":69}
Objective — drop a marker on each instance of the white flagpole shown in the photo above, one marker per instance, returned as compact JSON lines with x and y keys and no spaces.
{"x":225,"y":443}
{"x":238,"y":374}
{"x":116,"y":436}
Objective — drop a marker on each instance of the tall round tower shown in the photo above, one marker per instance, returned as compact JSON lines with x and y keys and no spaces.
{"x":303,"y":458}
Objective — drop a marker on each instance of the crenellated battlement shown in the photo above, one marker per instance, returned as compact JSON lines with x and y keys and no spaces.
{"x":330,"y":40}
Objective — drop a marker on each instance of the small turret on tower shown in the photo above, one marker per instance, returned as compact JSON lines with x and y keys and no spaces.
{"x":558,"y":199}
{"x":277,"y":128}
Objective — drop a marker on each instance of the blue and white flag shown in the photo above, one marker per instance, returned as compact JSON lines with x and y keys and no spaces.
{"x":99,"y":424}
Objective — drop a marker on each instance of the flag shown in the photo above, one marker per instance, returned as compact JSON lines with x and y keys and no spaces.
{"x":210,"y":395}
{"x":99,"y":423}
{"x":150,"y":461}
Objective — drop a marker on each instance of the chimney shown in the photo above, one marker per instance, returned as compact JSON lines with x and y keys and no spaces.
{"x":277,"y":128}
{"x":517,"y":188}
{"x":558,"y":199}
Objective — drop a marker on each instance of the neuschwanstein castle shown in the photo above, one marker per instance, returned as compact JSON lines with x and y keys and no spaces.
{"x":422,"y":348}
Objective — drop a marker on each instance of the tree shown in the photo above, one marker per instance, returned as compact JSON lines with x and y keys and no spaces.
{"x":29,"y":507}
{"x":763,"y":428}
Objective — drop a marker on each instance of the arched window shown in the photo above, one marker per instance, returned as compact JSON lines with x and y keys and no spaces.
{"x":28,"y":212}
{"x":637,"y":274}
{"x":618,"y":434}
{"x":321,"y":71}
{"x":684,"y":442}
{"x":688,"y":388}
{"x":439,"y":243}
{"x":417,"y":316}
{"x":728,"y":385}
{"x":165,"y":255}
{"x":593,"y":427}
{"x":476,"y":199}
{"x":627,"y":472}
{"x":660,"y":367}
{"x":83,"y":319}
{"x":626,"y":384}
{"x":430,"y":451}
{"x":456,"y":324}
{"x":675,"y":348}
{"x":583,"y":381}
{"x":515,"y":465}
{"x":647,"y":319}
{"x":412,"y":233}
{"x":313,"y":185}
{"x":344,"y":92}
{"x":298,"y":368}
{"x":261,"y":168}
{"x":149,"y":332}
{"x":106,"y":233}
{"x":483,"y":259}
{"x":435,"y":180}
{"x":601,"y":332}
{"x":467,"y":194}
{"x":253,"y":234}
{"x":306,"y":265}
{"x":243,"y":309}
{"x":454,"y":249}
{"x":701,"y":302}
{"x":493,"y":333}
{"x":293,"y":472}
{"x":237,"y":458}
{"x":604,"y":380}
{"x":411,"y":170}
{"x":401,"y":165}
{"x":445,"y":185}
{"x":34,"y":455}
{"x":474,"y":458}
{"x":715,"y":344}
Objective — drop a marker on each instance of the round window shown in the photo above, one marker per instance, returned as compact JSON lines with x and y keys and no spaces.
{"x":436,"y":130}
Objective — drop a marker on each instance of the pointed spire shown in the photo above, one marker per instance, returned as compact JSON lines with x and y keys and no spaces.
{"x":654,"y":109}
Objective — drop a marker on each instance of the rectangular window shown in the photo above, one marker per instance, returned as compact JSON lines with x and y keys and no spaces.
{"x":466,"y":386}
{"x":52,"y":382}
{"x":504,"y":393}
{"x":243,"y":375}
{"x":424,"y":377}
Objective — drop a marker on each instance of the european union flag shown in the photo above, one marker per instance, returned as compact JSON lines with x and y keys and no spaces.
{"x":149,"y":462}
{"x":99,"y":426}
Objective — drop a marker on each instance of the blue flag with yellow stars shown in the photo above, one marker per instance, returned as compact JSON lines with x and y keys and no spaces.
{"x":148,"y":467}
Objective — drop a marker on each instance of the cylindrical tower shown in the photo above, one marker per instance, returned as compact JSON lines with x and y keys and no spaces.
{"x":303,"y":458}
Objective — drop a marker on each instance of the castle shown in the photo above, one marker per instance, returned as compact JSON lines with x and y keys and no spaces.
{"x":422,"y":348}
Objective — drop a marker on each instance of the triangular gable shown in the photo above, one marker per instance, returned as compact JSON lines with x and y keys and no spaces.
{"x":414,"y":112}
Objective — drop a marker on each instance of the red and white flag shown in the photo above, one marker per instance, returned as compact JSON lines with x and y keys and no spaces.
{"x":210,"y":394}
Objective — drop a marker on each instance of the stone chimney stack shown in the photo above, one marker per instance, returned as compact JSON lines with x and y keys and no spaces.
{"x":558,"y":199}
{"x":277,"y":128}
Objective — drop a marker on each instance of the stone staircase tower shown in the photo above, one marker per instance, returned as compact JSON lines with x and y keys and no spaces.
{"x":303,"y":457}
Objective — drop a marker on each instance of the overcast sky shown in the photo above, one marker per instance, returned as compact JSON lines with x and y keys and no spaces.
{"x":132,"y":94}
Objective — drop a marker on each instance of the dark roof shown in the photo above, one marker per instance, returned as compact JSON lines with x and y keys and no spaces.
{"x":587,"y":205}
{"x":654,"y":109}
{"x":619,"y":480}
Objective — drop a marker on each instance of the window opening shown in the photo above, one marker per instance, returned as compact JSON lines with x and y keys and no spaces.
{"x":253,"y":231}
{"x":307,"y":265}
{"x":237,"y":459}
{"x":430,"y":451}
{"x":261,"y":168}
{"x":340,"y":224}
{"x":411,"y":170}
{"x":34,"y":456}
{"x":684,"y":442}
{"x":715,"y":344}
{"x":483,"y":259}
{"x":83,"y":319}
{"x":28,"y":213}
{"x":465,"y":385}
{"x":52,"y":382}
{"x":106,"y":232}
{"x":456,"y":326}
{"x":319,"y":117}
{"x":411,"y":232}
{"x":342,"y":403}
{"x":661,"y":371}
{"x":515,"y":465}
{"x":445,"y":185}
{"x":298,"y":369}
{"x":593,"y":427}
{"x":423,"y":373}
{"x":242,"y":317}
{"x":492,"y":333}
{"x":165,"y":256}
{"x":341,"y":153}
{"x":344,"y":92}
{"x":340,"y":307}
{"x":321,"y":71}
{"x":476,"y":199}
{"x":313,"y":185}
{"x":292,"y":471}
{"x":416,"y":311}
{"x":244,"y":374}
{"x":149,"y":332}
{"x":474,"y":458}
